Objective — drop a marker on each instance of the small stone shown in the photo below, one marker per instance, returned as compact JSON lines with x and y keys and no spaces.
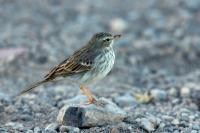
{"x":1,"y":108}
{"x":118,"y":25}
{"x":158,"y":94}
{"x":64,"y":129}
{"x":147,"y":125}
{"x":162,"y":125}
{"x":4,"y":98}
{"x":10,"y":54}
{"x":185,"y":92}
{"x":192,"y":117}
{"x":15,"y":125}
{"x":29,"y":131}
{"x":184,"y":117}
{"x":167,"y":117}
{"x":10,"y":109}
{"x":175,"y":122}
{"x":37,"y":130}
{"x":176,"y":131}
{"x":103,"y":113}
{"x":196,"y":126}
{"x":173,"y":92}
{"x":176,"y":101}
{"x":125,"y":101}
{"x":69,"y":129}
{"x":114,"y":130}
{"x":52,"y":127}
{"x":149,"y":32}
{"x":194,"y":131}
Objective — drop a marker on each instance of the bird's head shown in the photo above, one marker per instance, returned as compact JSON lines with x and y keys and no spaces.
{"x":103,"y":40}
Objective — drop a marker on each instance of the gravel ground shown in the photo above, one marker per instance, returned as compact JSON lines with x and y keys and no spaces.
{"x":158,"y":54}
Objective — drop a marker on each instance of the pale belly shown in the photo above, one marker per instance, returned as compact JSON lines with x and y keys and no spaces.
{"x":99,"y":70}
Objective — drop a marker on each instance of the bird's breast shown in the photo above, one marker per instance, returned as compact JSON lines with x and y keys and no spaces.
{"x":103,"y":64}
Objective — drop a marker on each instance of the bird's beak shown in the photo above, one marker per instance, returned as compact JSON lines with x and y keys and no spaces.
{"x":117,"y":36}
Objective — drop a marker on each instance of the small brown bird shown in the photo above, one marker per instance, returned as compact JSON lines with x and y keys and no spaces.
{"x":90,"y":63}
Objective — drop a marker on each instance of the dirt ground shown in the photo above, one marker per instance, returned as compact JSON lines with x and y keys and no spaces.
{"x":159,"y":51}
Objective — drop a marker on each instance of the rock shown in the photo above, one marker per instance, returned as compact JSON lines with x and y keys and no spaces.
{"x":10,"y":109}
{"x":175,"y":122}
{"x":4,"y":98}
{"x":2,"y":109}
{"x":173,"y":92}
{"x":11,"y":53}
{"x":24,"y":117}
{"x":158,"y":94}
{"x":15,"y":125}
{"x":103,"y":113}
{"x":184,"y":117}
{"x":167,"y":117}
{"x":192,"y":4}
{"x":52,"y":127}
{"x":196,"y":126}
{"x":147,"y":125}
{"x":194,"y":131}
{"x":29,"y":131}
{"x":176,"y":131}
{"x":69,"y":129}
{"x":185,"y":91}
{"x":125,"y":100}
{"x":37,"y":130}
{"x":118,"y":25}
{"x":114,"y":130}
{"x":176,"y":101}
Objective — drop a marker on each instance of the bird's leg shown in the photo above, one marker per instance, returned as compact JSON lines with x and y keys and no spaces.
{"x":88,"y":93}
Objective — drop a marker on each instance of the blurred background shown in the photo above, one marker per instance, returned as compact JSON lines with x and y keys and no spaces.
{"x":159,"y":51}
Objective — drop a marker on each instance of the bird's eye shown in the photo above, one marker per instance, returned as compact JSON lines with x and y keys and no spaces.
{"x":107,"y":39}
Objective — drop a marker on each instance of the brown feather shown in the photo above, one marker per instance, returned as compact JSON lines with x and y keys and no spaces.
{"x":73,"y":65}
{"x":30,"y":88}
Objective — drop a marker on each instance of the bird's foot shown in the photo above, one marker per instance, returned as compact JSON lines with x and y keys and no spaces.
{"x":91,"y":101}
{"x":87,"y":92}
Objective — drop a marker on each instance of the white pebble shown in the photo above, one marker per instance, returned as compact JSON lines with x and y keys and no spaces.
{"x":118,"y":25}
{"x":185,"y":91}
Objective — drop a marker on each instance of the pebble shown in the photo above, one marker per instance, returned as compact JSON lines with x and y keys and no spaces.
{"x":69,"y":129}
{"x":185,"y":91}
{"x":194,"y":131}
{"x":15,"y":125}
{"x":126,"y":100}
{"x":158,"y":94}
{"x":4,"y":98}
{"x":37,"y":130}
{"x":52,"y":127}
{"x":114,"y":130}
{"x":176,"y":101}
{"x":176,"y":131}
{"x":118,"y":25}
{"x":103,"y":113}
{"x":175,"y":122}
{"x":29,"y":131}
{"x":173,"y":92}
{"x":196,"y":126}
{"x":147,"y":125}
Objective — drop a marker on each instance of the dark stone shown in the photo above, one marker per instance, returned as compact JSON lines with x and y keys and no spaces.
{"x":74,"y":115}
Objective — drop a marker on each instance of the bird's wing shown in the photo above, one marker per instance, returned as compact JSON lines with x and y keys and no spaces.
{"x":80,"y":61}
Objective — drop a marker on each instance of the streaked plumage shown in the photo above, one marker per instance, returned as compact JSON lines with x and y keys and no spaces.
{"x":90,"y":63}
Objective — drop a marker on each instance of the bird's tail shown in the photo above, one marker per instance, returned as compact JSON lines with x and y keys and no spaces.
{"x":30,"y":88}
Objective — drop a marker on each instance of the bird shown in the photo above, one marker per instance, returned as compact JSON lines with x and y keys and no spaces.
{"x":89,"y":64}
